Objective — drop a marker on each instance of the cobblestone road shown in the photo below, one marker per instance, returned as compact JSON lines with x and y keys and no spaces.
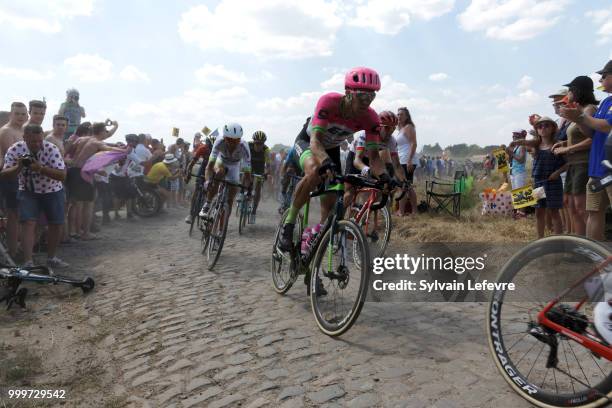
{"x":181,"y":336}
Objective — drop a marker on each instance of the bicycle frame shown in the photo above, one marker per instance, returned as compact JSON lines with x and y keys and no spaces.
{"x":595,"y":346}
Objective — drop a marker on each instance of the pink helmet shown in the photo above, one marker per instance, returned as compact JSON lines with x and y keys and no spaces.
{"x":362,"y":78}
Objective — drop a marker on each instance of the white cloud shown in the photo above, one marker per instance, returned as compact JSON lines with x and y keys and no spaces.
{"x":391,"y":16}
{"x":266,"y":28}
{"x":513,"y":20}
{"x":440,"y":76}
{"x":133,"y":74}
{"x":524,"y":99}
{"x":218,"y":75}
{"x":89,"y":67}
{"x":25,"y":74}
{"x":525,"y":83}
{"x":334,"y":83}
{"x":603,"y":19}
{"x":44,"y":16}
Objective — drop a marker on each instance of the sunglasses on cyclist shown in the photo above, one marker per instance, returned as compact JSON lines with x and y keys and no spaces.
{"x":364,"y":96}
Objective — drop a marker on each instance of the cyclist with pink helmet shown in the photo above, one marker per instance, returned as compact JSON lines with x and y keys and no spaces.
{"x":336,"y":117}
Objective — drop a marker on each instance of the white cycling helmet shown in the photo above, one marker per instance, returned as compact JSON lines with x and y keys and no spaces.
{"x":232,"y":130}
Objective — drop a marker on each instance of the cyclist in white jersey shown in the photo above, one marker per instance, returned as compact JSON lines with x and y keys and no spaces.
{"x":358,"y":160}
{"x":228,"y":153}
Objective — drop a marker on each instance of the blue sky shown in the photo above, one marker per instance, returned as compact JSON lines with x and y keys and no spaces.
{"x":469,"y":71}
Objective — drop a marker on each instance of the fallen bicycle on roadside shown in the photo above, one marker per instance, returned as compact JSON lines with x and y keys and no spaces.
{"x":11,"y":278}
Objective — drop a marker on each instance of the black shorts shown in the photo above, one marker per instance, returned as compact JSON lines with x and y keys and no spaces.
{"x":302,"y":149}
{"x":79,"y":189}
{"x":409,"y":172}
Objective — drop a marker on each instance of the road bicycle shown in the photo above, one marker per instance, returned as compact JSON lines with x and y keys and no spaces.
{"x":541,"y":334}
{"x":245,"y":209}
{"x":12,"y":276}
{"x":197,"y":201}
{"x":336,"y":266}
{"x":285,"y":199}
{"x":214,"y":226}
{"x":373,"y":217}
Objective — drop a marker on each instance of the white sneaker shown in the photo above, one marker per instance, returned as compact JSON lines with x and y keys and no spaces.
{"x":188,"y":219}
{"x":204,"y":210}
{"x":55,"y":262}
{"x":602,"y":318}
{"x":28,"y":264}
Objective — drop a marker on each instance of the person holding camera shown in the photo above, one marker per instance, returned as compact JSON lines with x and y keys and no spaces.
{"x":41,"y":171}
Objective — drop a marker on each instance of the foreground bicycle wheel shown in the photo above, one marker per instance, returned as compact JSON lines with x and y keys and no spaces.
{"x":282,"y":265}
{"x":376,"y":226}
{"x":217,"y":236}
{"x":341,"y":265}
{"x":547,"y":368}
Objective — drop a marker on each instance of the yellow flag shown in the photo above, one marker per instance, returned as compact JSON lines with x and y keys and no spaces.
{"x":502,"y":160}
{"x":206,"y":130}
{"x":175,"y":132}
{"x":523,"y":197}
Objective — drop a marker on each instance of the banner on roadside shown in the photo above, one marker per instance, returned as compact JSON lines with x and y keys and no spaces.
{"x":502,"y":160}
{"x":523,"y":197}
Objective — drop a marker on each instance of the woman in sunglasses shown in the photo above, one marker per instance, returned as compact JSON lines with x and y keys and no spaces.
{"x":546,"y":172}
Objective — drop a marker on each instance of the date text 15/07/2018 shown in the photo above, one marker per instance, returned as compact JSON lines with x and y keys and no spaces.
{"x":432,"y":286}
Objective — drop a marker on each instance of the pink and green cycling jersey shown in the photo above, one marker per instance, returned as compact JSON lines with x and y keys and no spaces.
{"x":336,"y":129}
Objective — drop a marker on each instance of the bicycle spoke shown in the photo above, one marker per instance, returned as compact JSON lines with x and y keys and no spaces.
{"x":535,"y":361}
{"x":568,"y":367}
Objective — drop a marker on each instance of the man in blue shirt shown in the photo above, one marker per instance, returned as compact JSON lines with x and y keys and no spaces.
{"x":601,"y":124}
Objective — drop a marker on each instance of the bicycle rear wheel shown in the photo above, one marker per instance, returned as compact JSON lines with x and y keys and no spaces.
{"x":547,"y":368}
{"x":341,"y":266}
{"x":217,"y":236}
{"x":282,"y":265}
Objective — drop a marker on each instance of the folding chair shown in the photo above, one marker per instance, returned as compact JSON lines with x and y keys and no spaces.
{"x":445,"y":196}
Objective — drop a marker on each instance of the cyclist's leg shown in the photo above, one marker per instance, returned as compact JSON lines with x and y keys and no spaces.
{"x":328,"y":201}
{"x":218,"y":173}
{"x":232,"y":174}
{"x":257,"y":195}
{"x":349,"y":190}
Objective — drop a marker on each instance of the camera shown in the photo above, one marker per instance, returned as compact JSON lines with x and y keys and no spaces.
{"x":26,"y":160}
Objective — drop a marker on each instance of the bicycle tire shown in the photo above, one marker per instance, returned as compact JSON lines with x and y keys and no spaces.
{"x":336,"y":328}
{"x":597,"y":395}
{"x":283,"y":282}
{"x":243,"y":217}
{"x":212,"y":252}
{"x":196,"y":205}
{"x":378,"y":245}
{"x":148,"y":204}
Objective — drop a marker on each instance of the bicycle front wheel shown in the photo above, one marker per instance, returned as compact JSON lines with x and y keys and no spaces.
{"x":376,"y":226}
{"x":339,"y":278}
{"x":243,"y":217}
{"x":283,"y":266}
{"x":217,"y":236}
{"x":547,"y":368}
